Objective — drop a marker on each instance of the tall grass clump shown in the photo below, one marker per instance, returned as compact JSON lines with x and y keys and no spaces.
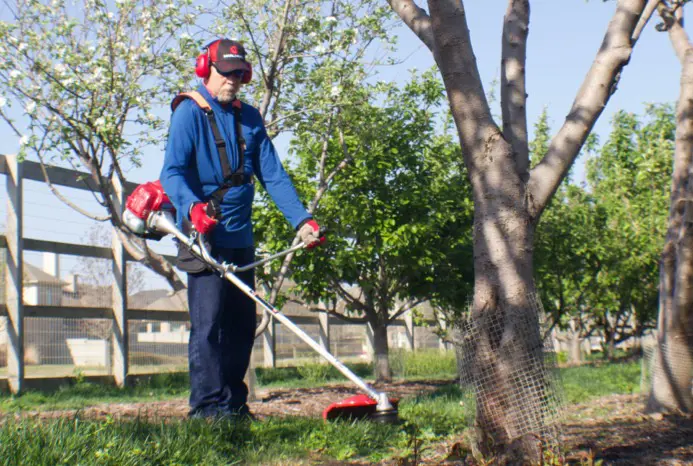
{"x":430,"y":363}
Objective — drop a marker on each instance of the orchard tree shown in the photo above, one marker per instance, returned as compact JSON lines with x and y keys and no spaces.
{"x":673,"y":365}
{"x":628,"y":180}
{"x":565,"y":262}
{"x":306,"y":55}
{"x":394,"y":216}
{"x":509,"y":198}
{"x":78,"y":83}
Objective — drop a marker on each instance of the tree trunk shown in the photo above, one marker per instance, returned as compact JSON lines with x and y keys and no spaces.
{"x":508,"y":362}
{"x":381,"y":353}
{"x":501,"y":345}
{"x":673,"y":362}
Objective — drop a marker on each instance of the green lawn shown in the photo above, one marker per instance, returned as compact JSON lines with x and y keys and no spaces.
{"x":426,"y":419}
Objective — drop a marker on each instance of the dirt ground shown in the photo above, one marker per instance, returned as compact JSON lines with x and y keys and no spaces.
{"x":612,"y":429}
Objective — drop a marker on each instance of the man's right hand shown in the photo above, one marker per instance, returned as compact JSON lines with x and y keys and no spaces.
{"x":202,"y":222}
{"x":309,"y":233}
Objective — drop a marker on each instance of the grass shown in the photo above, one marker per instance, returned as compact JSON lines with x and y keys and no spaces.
{"x":583,"y":383}
{"x":426,"y":419}
{"x":82,"y":394}
{"x":274,"y":441}
{"x":288,"y":440}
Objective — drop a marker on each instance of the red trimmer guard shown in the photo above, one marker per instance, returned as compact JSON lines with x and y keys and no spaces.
{"x":355,"y":407}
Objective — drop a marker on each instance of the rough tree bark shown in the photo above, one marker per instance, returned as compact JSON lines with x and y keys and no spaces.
{"x":509,"y":199}
{"x":673,"y":364}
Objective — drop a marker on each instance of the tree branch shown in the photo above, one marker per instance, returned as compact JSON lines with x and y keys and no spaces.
{"x":63,"y":199}
{"x":597,"y":88}
{"x":141,"y":253}
{"x":347,"y":297}
{"x":273,"y":64}
{"x":332,"y":312}
{"x":677,"y":34}
{"x":416,"y":18}
{"x":407,"y":305}
{"x":647,"y":14}
{"x":513,"y":81}
{"x":455,"y":58}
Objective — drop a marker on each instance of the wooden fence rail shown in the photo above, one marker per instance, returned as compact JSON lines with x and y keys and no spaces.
{"x":16,"y":310}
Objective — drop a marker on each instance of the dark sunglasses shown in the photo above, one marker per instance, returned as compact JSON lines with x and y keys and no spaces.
{"x":233,"y":73}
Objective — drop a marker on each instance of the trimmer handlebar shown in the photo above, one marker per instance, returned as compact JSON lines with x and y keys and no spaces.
{"x":162,"y":221}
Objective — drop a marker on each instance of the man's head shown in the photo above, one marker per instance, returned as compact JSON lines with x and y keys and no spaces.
{"x":224,"y":68}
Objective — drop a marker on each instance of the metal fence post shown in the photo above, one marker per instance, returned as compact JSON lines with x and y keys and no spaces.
{"x":119,"y":292}
{"x":442,"y":344}
{"x":324,"y":322}
{"x":15,"y":275}
{"x":269,"y":344}
{"x":409,"y":329}
{"x":370,"y":341}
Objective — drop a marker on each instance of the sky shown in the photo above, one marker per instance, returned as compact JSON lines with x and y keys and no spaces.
{"x":564,"y":36}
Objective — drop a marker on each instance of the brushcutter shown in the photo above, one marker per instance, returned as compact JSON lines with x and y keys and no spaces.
{"x":156,"y":220}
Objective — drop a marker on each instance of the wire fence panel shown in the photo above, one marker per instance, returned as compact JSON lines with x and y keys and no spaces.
{"x":156,"y":346}
{"x":425,"y":338}
{"x":350,"y":343}
{"x":291,"y":349}
{"x":58,"y":347}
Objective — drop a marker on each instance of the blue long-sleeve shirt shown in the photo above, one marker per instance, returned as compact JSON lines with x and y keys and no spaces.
{"x":192,"y":170}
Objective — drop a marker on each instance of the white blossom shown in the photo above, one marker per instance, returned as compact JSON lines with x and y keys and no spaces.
{"x":335,"y":91}
{"x":3,"y":101}
{"x":15,"y":74}
{"x":24,"y":140}
{"x":100,"y":121}
{"x":331,"y":19}
{"x":30,"y":107}
{"x":320,"y":49}
{"x":60,"y":68}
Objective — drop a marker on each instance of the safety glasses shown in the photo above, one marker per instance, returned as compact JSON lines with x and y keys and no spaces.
{"x":229,"y":74}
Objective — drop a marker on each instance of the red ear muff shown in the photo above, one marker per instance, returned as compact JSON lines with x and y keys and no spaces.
{"x":202,"y":65}
{"x":248,"y":75}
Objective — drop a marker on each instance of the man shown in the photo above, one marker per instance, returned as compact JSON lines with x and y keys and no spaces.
{"x":215,"y":194}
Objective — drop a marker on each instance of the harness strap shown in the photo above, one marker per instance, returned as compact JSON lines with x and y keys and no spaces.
{"x":231,"y":179}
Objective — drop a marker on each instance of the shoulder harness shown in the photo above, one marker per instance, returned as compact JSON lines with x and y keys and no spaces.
{"x":231,"y":179}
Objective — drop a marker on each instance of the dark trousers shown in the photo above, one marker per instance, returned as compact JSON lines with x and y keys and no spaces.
{"x":222,"y":333}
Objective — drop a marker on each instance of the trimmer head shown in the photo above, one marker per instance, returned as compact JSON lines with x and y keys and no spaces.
{"x":363,"y":407}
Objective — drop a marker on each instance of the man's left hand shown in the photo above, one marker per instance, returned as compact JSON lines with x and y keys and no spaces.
{"x":310,"y":234}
